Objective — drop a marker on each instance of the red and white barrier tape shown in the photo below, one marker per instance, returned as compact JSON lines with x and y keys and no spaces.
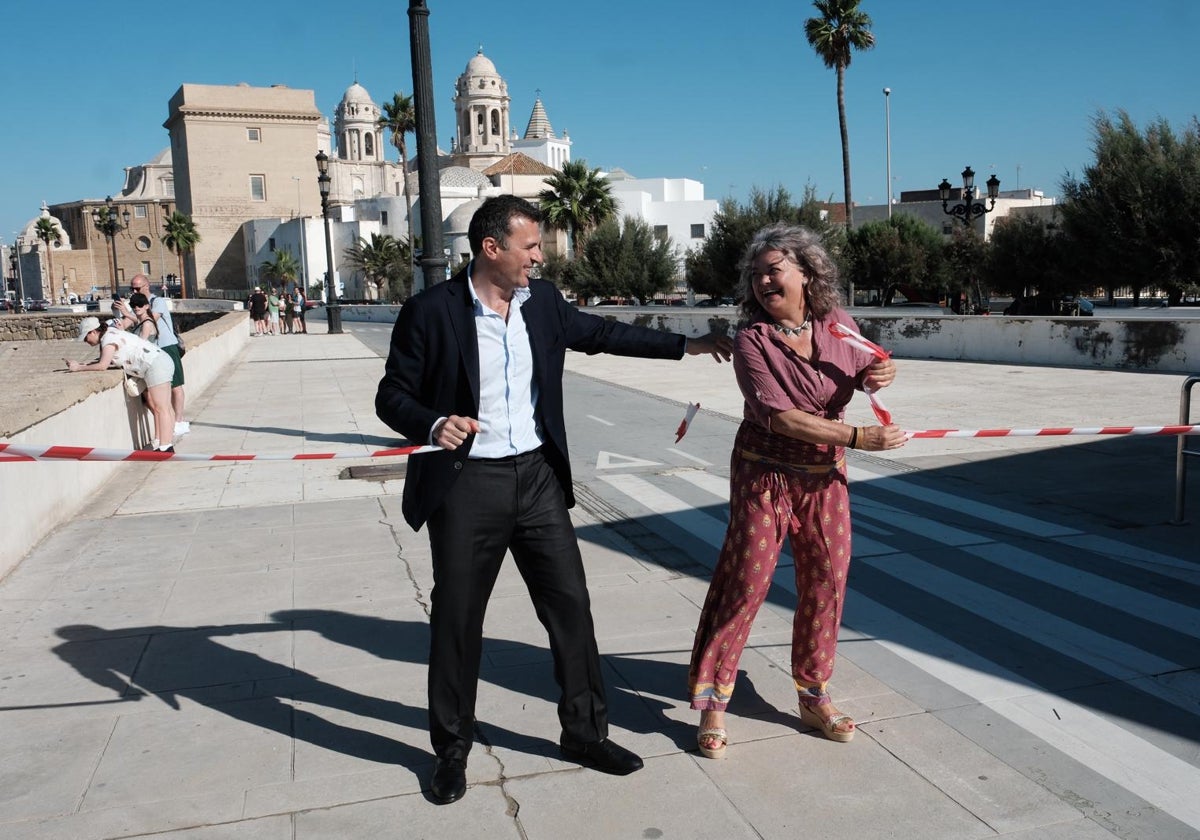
{"x":867,"y":346}
{"x":1052,"y":432}
{"x":10,"y":452}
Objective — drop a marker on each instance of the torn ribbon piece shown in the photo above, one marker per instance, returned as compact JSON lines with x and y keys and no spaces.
{"x":687,"y":421}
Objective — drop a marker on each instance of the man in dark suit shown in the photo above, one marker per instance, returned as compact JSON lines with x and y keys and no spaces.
{"x":476,"y":367}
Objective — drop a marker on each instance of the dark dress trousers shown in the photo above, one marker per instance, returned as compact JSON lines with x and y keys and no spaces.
{"x":479,"y":509}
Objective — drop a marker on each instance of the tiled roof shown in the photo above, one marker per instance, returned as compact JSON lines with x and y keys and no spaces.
{"x":519,"y":164}
{"x":462,"y":176}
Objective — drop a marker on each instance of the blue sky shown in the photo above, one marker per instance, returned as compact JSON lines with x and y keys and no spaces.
{"x":730,"y":96}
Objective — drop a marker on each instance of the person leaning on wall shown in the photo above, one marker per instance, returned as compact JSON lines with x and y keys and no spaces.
{"x":141,"y":359}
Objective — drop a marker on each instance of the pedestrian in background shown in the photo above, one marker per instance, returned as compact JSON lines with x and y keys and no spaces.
{"x":285,"y":307}
{"x":142,"y":323}
{"x":299,"y":304}
{"x":168,"y":340}
{"x":138,"y":358}
{"x":258,"y":311}
{"x":273,"y":312}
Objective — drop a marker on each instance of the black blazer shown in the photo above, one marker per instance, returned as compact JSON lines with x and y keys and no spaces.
{"x":433,"y":371}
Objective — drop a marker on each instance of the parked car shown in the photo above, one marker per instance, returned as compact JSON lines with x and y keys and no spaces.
{"x":36,"y":305}
{"x":1050,"y":305}
{"x":716,"y":301}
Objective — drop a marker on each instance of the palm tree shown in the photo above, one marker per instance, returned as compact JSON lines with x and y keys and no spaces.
{"x":400,"y":118}
{"x":576,"y":200}
{"x":841,"y":29}
{"x":384,"y":260}
{"x":47,"y":231}
{"x":283,"y":269}
{"x":180,"y":237}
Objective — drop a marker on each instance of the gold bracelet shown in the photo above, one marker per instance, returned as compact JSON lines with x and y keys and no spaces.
{"x":853,"y":444}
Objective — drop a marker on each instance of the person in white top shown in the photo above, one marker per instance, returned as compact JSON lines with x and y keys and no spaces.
{"x":168,"y":341}
{"x":140,"y":358}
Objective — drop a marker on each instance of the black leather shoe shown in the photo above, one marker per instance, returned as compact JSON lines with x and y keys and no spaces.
{"x":449,"y":781}
{"x":604,"y":755}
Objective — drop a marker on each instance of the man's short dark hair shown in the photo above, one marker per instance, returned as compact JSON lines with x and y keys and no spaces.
{"x":493,"y":218}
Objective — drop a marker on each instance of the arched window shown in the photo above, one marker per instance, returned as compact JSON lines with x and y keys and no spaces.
{"x":495,"y":122}
{"x":369,"y":145}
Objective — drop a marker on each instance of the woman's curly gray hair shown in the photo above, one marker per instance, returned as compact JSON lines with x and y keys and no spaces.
{"x":803,"y":247}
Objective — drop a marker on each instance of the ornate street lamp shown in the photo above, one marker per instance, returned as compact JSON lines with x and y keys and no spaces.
{"x":969,"y":210}
{"x":333,"y":309}
{"x":108,"y":222}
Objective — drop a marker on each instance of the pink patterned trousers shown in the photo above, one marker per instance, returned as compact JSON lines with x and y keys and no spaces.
{"x":768,"y":503}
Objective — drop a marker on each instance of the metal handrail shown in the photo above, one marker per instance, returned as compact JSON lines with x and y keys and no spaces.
{"x":1182,"y":452}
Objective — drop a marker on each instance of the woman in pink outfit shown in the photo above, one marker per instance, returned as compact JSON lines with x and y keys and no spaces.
{"x":787,"y":477}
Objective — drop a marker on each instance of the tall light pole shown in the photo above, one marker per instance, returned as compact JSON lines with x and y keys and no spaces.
{"x":108,"y":223}
{"x":333,"y":309}
{"x":887,"y":120}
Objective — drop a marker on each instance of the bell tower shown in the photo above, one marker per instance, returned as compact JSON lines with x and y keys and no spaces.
{"x":481,"y":115}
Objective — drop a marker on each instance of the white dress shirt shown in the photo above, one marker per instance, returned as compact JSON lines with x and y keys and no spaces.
{"x":507,"y":395}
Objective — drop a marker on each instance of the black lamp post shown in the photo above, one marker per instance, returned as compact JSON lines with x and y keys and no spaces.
{"x":333,"y":309}
{"x":433,"y":263}
{"x":108,"y":223}
{"x":14,"y":256}
{"x":969,"y":210}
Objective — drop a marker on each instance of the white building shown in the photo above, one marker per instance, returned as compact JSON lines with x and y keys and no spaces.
{"x":927,"y":206}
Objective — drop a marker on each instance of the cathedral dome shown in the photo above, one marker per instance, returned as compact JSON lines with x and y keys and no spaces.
{"x":480,"y":65}
{"x":460,"y":218}
{"x":357,"y":93}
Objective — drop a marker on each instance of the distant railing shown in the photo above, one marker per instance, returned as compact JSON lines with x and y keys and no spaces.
{"x":1182,"y":452}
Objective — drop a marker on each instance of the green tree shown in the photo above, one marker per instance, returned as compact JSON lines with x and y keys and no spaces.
{"x":902,"y":254}
{"x":45,"y":230}
{"x":1025,"y":259}
{"x":625,"y":259}
{"x":559,"y":270}
{"x":576,"y":200}
{"x":839,"y":30}
{"x":180,"y":237}
{"x":712,"y":269}
{"x":281,"y":270}
{"x":386,"y":263}
{"x":963,"y":268}
{"x":400,"y":118}
{"x":1133,"y":217}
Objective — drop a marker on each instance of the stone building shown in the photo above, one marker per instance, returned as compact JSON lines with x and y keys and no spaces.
{"x":240,"y":153}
